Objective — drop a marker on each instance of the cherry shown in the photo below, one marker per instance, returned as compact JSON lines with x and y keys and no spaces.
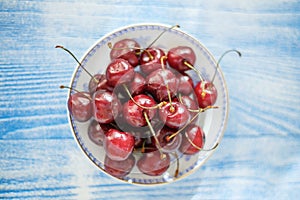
{"x":133,"y":110}
{"x":161,"y":83}
{"x":106,"y":106}
{"x":186,"y":85}
{"x":151,"y":59}
{"x":127,"y":49}
{"x":138,"y":84}
{"x":174,"y":114}
{"x":121,"y":168}
{"x":153,"y":164}
{"x":167,"y":145}
{"x":118,"y":145}
{"x":193,"y":140}
{"x":190,"y":104}
{"x":206,"y":94}
{"x":179,"y":55}
{"x":119,"y":71}
{"x":97,"y":131}
{"x":79,"y":105}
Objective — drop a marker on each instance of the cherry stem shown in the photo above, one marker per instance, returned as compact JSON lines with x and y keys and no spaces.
{"x":220,"y":59}
{"x":143,"y":107}
{"x":200,"y":110}
{"x":135,"y":48}
{"x":193,"y":68}
{"x":172,"y":27}
{"x":172,"y":109}
{"x":199,"y":148}
{"x":67,"y":50}
{"x":73,"y":89}
{"x":162,"y":155}
{"x":177,"y":165}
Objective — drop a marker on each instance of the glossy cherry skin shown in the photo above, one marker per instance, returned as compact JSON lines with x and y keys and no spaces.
{"x":121,"y":168}
{"x":151,"y":60}
{"x":119,"y":71}
{"x":190,"y":104}
{"x":175,"y":116}
{"x":126,"y":49}
{"x":157,"y":83}
{"x":134,"y":114}
{"x":118,"y":145}
{"x":99,"y":82}
{"x":138,"y":84}
{"x":186,"y":85}
{"x":192,"y":136}
{"x":206,"y":94}
{"x":106,"y":106}
{"x":167,"y":145}
{"x":97,"y":131}
{"x":178,"y":55}
{"x":80,"y":106}
{"x":153,"y":164}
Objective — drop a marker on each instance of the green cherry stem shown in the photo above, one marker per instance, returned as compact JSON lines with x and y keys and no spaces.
{"x":162,"y":155}
{"x":220,"y":59}
{"x":200,"y":110}
{"x":68,"y":51}
{"x":143,"y":107}
{"x":172,"y":27}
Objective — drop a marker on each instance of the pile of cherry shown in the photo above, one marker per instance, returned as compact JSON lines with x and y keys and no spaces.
{"x":144,"y":108}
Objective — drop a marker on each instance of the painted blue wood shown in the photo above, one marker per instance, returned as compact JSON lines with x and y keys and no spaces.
{"x":259,"y":154}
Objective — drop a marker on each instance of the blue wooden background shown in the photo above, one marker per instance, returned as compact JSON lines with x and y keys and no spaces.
{"x":259,"y":156}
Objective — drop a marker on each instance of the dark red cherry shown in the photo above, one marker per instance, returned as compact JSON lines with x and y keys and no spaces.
{"x":119,"y":71}
{"x":118,"y":145}
{"x":133,"y":111}
{"x":174,"y":115}
{"x":121,"y":168}
{"x":192,"y":140}
{"x":138,"y":84}
{"x":106,"y":106}
{"x":160,"y":81}
{"x":186,"y":85}
{"x":97,"y":131}
{"x":99,"y":82}
{"x":153,"y":164}
{"x":80,"y":106}
{"x":127,"y":49}
{"x":206,"y":94}
{"x":178,"y":55}
{"x":167,"y":145}
{"x":151,"y":60}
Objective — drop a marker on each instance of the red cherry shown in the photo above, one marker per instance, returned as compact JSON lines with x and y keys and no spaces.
{"x":151,"y":59}
{"x":97,"y":131}
{"x":126,"y":49}
{"x":192,"y":140}
{"x":190,"y":104}
{"x":138,"y":84}
{"x":119,"y":71}
{"x":160,"y":81}
{"x":178,"y":55}
{"x":206,"y":94}
{"x":153,"y":164}
{"x":80,"y":106}
{"x":167,"y":145}
{"x":106,"y":106}
{"x":118,"y":145}
{"x":174,"y":115}
{"x":134,"y":113}
{"x":121,"y":168}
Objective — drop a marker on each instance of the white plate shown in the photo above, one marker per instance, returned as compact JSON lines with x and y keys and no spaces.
{"x":213,"y":121}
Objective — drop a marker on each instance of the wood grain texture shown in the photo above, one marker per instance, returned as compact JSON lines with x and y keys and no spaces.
{"x":259,"y":154}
